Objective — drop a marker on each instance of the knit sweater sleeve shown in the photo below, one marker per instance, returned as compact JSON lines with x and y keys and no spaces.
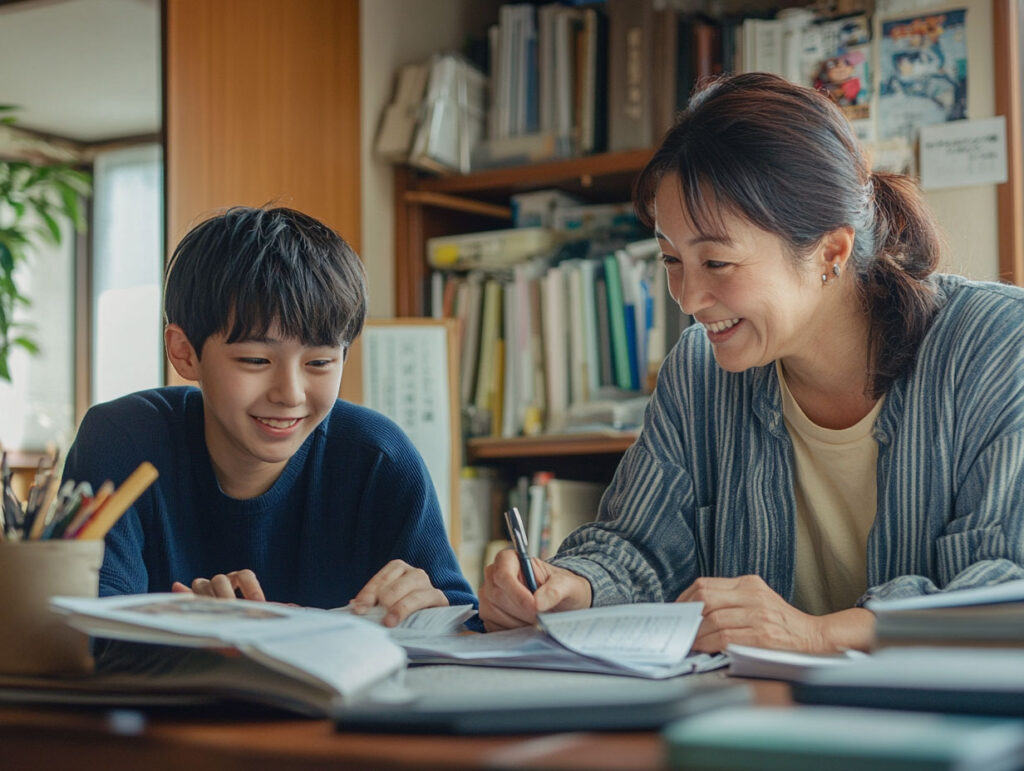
{"x":400,"y":487}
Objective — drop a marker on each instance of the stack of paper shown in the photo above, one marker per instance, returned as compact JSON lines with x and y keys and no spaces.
{"x":748,"y":661}
{"x":644,"y":640}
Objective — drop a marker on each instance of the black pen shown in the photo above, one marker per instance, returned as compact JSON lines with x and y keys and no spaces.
{"x":516,"y":533}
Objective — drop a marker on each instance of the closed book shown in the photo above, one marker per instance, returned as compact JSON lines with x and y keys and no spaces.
{"x":480,"y":491}
{"x":606,"y":372}
{"x":630,"y":105}
{"x":978,"y":616}
{"x":767,"y":738}
{"x":556,"y":347}
{"x":490,"y":332}
{"x":470,"y":315}
{"x":617,"y":324}
{"x":578,"y":375}
{"x":588,"y":321}
{"x":665,"y":54}
{"x":510,"y":426}
{"x":571,"y":503}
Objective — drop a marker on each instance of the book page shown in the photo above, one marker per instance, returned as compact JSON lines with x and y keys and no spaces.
{"x":187,"y":619}
{"x":658,"y":634}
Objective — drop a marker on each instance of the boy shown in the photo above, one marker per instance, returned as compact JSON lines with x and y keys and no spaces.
{"x":270,"y":487}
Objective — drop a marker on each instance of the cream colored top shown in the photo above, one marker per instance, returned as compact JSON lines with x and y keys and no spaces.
{"x":836,"y":500}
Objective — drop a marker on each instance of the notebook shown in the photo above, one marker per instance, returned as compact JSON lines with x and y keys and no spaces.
{"x":457,"y":699}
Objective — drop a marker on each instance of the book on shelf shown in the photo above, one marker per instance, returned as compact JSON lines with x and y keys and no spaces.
{"x":569,"y":504}
{"x":569,"y":326}
{"x":481,"y":500}
{"x":630,"y":74}
{"x":978,"y":616}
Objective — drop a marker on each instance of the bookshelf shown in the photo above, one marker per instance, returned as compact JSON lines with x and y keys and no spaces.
{"x":428,"y":206}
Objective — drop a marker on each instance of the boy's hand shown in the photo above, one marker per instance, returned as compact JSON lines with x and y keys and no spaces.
{"x":236,"y":584}
{"x":505,"y":602}
{"x":400,"y":589}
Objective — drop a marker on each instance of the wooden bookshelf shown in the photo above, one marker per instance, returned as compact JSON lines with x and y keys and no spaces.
{"x":600,"y":443}
{"x":592,"y":456}
{"x":428,"y":206}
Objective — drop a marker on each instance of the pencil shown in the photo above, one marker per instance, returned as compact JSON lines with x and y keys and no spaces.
{"x":84,"y":513}
{"x":45,"y":501}
{"x":116,"y":505}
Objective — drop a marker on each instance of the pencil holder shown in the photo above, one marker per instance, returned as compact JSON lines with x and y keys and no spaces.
{"x":33,"y":639}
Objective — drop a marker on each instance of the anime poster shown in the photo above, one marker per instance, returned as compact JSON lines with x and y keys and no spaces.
{"x":838,"y":52}
{"x":922,"y":73}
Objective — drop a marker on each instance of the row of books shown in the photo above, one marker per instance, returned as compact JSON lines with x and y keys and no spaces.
{"x":551,"y":508}
{"x":547,"y":335}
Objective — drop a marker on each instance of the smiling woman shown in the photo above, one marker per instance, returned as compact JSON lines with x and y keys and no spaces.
{"x":843,"y":424}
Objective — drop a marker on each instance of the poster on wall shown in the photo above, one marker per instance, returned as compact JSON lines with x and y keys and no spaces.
{"x":922,"y":63}
{"x":838,"y":52}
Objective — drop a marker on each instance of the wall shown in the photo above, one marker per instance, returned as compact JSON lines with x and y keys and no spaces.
{"x":262,"y":104}
{"x":968,"y":215}
{"x":397,"y":32}
{"x":394,"y":33}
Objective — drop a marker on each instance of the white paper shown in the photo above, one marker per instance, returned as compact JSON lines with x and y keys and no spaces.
{"x":963,"y":152}
{"x":750,"y":661}
{"x":642,"y":640}
{"x":405,"y":376}
{"x":1009,"y":591}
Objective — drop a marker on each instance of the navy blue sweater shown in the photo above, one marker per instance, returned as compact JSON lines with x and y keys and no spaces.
{"x":356,"y":495}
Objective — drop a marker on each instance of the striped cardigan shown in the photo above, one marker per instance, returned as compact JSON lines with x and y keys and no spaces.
{"x":707,"y":489}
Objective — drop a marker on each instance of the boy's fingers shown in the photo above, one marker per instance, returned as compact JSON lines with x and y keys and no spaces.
{"x":424,"y":597}
{"x":373,"y":593}
{"x":178,"y":586}
{"x":247,"y":583}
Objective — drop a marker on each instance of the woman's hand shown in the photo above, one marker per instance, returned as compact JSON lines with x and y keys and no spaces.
{"x":238,"y":583}
{"x":747,"y":611}
{"x":400,"y":589}
{"x":506,"y":603}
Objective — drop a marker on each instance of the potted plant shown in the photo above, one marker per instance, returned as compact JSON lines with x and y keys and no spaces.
{"x":34,"y":199}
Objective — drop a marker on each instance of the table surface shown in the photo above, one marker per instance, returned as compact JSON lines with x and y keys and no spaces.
{"x":93,"y":738}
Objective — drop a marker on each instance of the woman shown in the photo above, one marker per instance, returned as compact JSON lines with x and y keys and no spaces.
{"x":841,"y":424}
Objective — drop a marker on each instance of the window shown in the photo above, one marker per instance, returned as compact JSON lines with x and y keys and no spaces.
{"x":127,"y":272}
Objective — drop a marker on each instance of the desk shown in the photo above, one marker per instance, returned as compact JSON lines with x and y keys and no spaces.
{"x":90,"y":740}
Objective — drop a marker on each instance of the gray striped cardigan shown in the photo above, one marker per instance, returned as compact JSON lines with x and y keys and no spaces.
{"x":707,"y":489}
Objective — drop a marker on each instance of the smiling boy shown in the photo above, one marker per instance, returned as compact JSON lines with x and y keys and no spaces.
{"x":270,"y":487}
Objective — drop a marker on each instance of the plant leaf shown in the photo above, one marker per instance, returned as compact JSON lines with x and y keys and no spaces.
{"x":27,"y":344}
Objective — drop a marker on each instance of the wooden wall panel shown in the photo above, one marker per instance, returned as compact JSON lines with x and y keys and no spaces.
{"x":262,"y":104}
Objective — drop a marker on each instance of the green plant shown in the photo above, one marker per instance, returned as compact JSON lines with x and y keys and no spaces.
{"x":34,"y":198}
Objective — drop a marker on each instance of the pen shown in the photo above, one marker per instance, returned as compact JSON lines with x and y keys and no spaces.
{"x":516,"y":533}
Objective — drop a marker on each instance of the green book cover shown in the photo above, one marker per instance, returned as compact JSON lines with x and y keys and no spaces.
{"x":617,"y":322}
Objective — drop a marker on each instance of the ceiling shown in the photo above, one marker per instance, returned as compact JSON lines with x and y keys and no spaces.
{"x":87,"y":70}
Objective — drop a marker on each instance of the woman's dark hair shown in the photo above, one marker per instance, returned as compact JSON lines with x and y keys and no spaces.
{"x":785,"y":158}
{"x":242,"y":270}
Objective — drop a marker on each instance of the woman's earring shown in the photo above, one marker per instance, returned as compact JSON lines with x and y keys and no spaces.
{"x":824,"y":278}
{"x":835,"y":270}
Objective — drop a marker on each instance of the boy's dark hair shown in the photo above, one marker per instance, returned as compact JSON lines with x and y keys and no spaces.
{"x":240,"y":271}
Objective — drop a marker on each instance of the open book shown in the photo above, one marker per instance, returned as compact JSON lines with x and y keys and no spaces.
{"x":644,"y":640}
{"x":301,"y":659}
